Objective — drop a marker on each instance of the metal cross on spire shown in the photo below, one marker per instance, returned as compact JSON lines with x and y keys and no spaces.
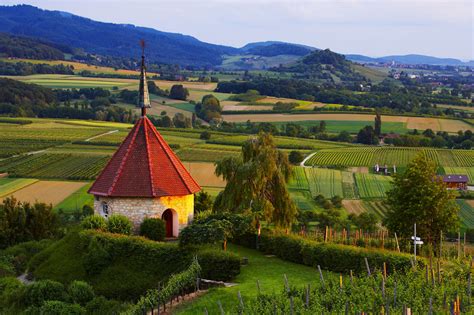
{"x":143,"y":97}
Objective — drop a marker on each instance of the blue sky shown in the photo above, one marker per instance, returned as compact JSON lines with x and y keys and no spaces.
{"x":369,"y":27}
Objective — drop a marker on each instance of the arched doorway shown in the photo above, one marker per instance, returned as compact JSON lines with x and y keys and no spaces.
{"x":171,"y":222}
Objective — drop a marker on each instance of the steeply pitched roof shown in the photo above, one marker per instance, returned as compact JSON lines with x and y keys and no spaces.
{"x":450,"y":178}
{"x":144,"y":166}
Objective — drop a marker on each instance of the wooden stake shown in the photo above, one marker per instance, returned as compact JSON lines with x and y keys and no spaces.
{"x":241,"y":302}
{"x":385,"y":270}
{"x":258,"y":286}
{"x":367,"y":265}
{"x":321,"y":275}
{"x":221,"y":309}
{"x":459,"y":245}
{"x":287,"y":286}
{"x":307,"y":295}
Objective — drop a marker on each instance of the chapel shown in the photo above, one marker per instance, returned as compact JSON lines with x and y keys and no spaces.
{"x":145,"y":178}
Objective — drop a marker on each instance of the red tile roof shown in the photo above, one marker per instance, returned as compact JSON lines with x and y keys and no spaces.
{"x":144,"y":166}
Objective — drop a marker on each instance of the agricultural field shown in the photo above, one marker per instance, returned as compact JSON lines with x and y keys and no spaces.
{"x":466,"y":213}
{"x":78,"y":66}
{"x":378,"y":207}
{"x":420,"y":123}
{"x":50,"y":192}
{"x":372,"y":186}
{"x":299,"y":180}
{"x":75,"y":201}
{"x":369,"y":156}
{"x":10,"y":185}
{"x":64,"y":81}
{"x":324,"y":182}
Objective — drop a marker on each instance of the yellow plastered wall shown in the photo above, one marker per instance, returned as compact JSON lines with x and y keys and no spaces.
{"x":183,"y":205}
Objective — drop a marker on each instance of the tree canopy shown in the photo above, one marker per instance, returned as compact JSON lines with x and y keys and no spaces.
{"x":256,"y":182}
{"x":419,"y":196}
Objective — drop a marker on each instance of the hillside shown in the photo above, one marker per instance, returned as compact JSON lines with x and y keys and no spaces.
{"x":107,"y":38}
{"x":324,"y":65}
{"x":411,"y":59}
{"x":22,"y":47}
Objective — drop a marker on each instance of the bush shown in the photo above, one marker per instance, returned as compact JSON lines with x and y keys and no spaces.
{"x":101,"y":306}
{"x":6,"y":266}
{"x":80,"y":292}
{"x":11,"y":291}
{"x":94,"y":222}
{"x":295,"y":157}
{"x":333,"y":257}
{"x":22,"y":253}
{"x":44,"y":290}
{"x":60,"y":308}
{"x":218,"y":265}
{"x":153,"y":229}
{"x":119,"y":224}
{"x":87,"y":210}
{"x":205,"y":135}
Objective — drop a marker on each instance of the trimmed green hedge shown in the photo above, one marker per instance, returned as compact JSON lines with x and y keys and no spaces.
{"x":217,"y":264}
{"x":333,"y":257}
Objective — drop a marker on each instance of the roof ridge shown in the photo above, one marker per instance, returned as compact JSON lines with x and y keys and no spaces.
{"x":122,"y":163}
{"x":163,"y":143}
{"x":150,"y":169}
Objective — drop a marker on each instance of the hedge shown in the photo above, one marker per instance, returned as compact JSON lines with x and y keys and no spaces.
{"x":218,"y":265}
{"x":333,"y":257}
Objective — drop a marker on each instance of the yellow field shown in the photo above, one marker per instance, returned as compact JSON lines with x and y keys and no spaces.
{"x":189,"y":85}
{"x":203,"y":173}
{"x":78,"y":67}
{"x":420,"y":123}
{"x":46,"y":191}
{"x":354,"y":206}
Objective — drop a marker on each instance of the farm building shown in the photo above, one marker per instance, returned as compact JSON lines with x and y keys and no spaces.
{"x":456,"y":181}
{"x":144,"y":178}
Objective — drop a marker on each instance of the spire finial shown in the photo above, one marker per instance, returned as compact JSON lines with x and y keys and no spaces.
{"x":143,"y":97}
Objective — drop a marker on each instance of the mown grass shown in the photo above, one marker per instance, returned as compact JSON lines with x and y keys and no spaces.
{"x":269,"y":271}
{"x":76,"y":200}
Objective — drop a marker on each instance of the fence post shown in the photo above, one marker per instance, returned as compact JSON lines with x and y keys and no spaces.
{"x":321,"y":275}
{"x":291,"y":305}
{"x":396,"y":241}
{"x":367,"y":265}
{"x":241,"y":302}
{"x":430,"y":312}
{"x":307,"y":295}
{"x":221,"y":309}
{"x":395,"y":294}
{"x":287,"y":286}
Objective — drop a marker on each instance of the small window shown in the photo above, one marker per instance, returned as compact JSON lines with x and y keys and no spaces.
{"x":104,"y":210}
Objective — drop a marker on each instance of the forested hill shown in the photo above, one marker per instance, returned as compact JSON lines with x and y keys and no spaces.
{"x":108,"y":38}
{"x":324,"y":65}
{"x":22,"y":47}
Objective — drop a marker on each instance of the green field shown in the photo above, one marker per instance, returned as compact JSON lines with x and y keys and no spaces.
{"x":376,"y":207}
{"x":76,"y":200}
{"x":10,"y":185}
{"x":369,"y":156}
{"x":268,"y":270}
{"x":336,"y":126}
{"x":299,"y":180}
{"x":61,"y":81}
{"x":324,"y":182}
{"x":466,"y":213}
{"x":372,"y":186}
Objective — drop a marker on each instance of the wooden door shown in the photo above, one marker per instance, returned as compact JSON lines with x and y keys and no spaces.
{"x":168,"y":218}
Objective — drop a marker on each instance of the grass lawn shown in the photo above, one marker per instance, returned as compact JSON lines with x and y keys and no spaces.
{"x":76,"y":200}
{"x":268,"y":270}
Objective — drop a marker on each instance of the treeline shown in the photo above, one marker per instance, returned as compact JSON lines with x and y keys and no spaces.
{"x":23,"y":47}
{"x":20,"y":99}
{"x":28,"y":68}
{"x":385,"y":95}
{"x":428,"y":138}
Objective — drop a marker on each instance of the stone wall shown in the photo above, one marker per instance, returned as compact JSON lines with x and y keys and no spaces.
{"x":137,"y":209}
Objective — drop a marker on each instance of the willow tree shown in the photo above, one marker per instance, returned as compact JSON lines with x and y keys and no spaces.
{"x":420,"y":196}
{"x":256,"y":182}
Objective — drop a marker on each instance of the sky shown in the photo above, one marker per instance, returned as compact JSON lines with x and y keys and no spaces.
{"x":369,"y":27}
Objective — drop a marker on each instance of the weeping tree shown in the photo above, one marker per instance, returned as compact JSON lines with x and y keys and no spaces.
{"x":256,"y":183}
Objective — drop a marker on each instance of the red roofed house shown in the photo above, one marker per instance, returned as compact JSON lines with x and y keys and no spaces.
{"x":144,"y":178}
{"x":454,"y":181}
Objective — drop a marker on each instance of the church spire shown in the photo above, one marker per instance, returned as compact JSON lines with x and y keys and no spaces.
{"x":143,"y":97}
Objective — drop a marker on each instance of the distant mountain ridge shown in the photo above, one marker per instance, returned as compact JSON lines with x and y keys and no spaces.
{"x":121,"y":40}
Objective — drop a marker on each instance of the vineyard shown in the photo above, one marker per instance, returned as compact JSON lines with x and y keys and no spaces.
{"x":65,"y":166}
{"x":372,"y":186}
{"x":369,"y":156}
{"x":379,"y":208}
{"x":466,"y":213}
{"x":299,"y":181}
{"x":324,"y":182}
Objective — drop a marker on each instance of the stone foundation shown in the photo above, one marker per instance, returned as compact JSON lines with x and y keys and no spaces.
{"x":137,"y":209}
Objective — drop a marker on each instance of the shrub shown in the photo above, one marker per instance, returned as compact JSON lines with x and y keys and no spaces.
{"x":119,"y":224}
{"x":80,"y":292}
{"x":11,"y":291}
{"x":295,"y":157}
{"x":6,"y":266}
{"x":205,"y":135}
{"x":218,"y":265}
{"x":87,"y":210}
{"x":101,"y":306}
{"x":22,"y":253}
{"x":94,"y":222}
{"x":44,"y":290}
{"x":153,"y":229}
{"x":333,"y":257}
{"x":60,"y":308}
